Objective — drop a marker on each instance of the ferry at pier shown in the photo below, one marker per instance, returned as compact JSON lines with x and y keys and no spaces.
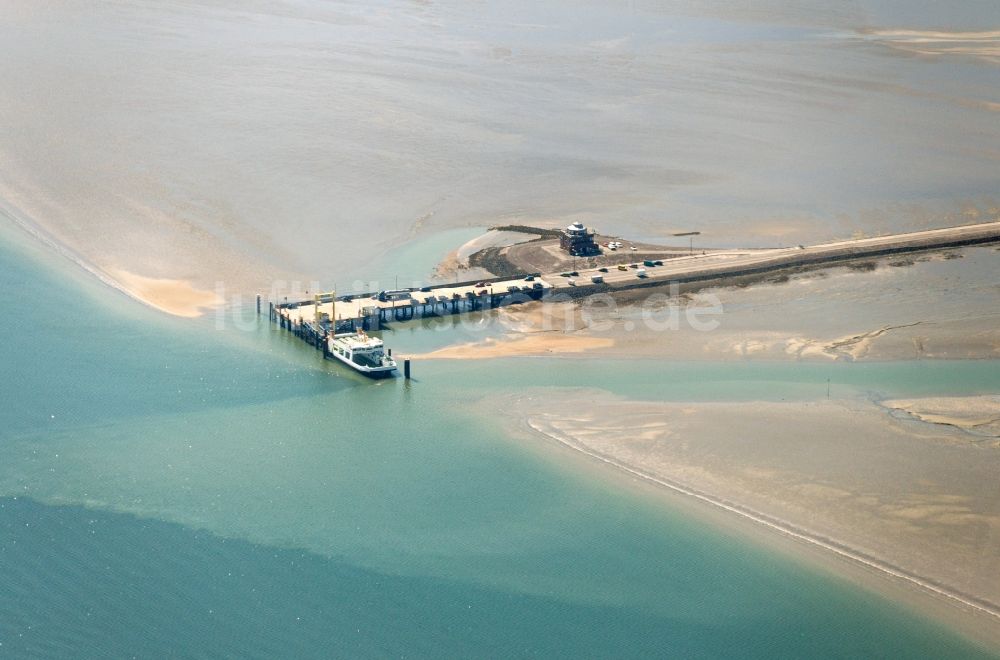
{"x":362,"y":353}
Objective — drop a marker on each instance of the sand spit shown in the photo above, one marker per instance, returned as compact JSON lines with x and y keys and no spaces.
{"x":177,"y":297}
{"x":984,"y":45}
{"x":532,"y":329}
{"x":916,"y":503}
{"x":520,"y":345}
{"x":977,"y":415}
{"x":457,"y":263}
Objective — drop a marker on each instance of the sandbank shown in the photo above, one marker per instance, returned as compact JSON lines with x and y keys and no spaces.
{"x":520,"y":345}
{"x":978,"y":415}
{"x":912,"y":503}
{"x":980,"y":44}
{"x":177,"y":297}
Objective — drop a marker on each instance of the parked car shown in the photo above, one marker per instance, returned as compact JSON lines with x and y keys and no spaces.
{"x":597,"y":279}
{"x":480,"y":285}
{"x":513,"y":289}
{"x":529,"y":278}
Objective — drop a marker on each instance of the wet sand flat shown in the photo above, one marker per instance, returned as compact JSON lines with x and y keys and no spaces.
{"x":916,"y":501}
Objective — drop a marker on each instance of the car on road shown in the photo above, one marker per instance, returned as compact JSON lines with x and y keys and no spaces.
{"x":480,"y":285}
{"x":622,"y":267}
{"x":597,"y":279}
{"x":602,"y":270}
{"x":640,"y":273}
{"x":529,"y":278}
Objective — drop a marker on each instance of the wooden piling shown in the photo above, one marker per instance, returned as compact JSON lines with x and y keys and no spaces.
{"x":406,"y":369}
{"x":258,"y":304}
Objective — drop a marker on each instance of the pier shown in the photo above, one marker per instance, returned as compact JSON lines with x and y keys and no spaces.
{"x":714,"y":266}
{"x":313,"y":320}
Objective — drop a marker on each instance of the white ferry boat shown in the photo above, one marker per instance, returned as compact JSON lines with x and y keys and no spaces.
{"x":362,"y":353}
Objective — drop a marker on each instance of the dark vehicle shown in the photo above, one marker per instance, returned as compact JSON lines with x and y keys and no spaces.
{"x":574,"y":274}
{"x":602,"y":270}
{"x":513,"y":289}
{"x":480,"y":285}
{"x":346,"y":298}
{"x":394,"y":294}
{"x":529,"y":278}
{"x":536,"y":285}
{"x":648,"y":264}
{"x":633,"y":265}
{"x":565,"y":275}
{"x":658,"y":262}
{"x":425,"y":289}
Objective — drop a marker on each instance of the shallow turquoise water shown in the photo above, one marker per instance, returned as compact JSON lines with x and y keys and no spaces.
{"x":169,"y":488}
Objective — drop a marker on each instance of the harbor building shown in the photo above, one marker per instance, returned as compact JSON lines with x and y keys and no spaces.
{"x":578,"y":241}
